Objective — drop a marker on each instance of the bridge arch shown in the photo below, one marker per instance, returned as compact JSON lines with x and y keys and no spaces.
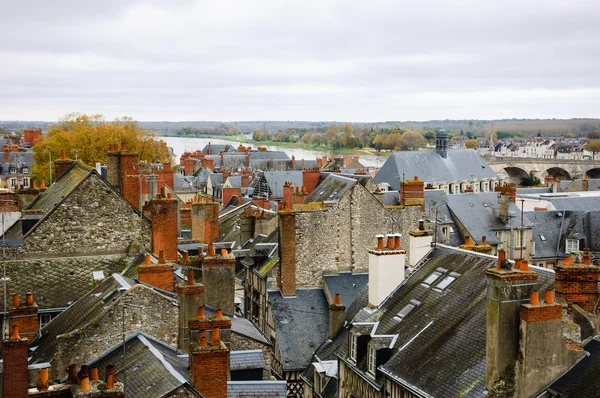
{"x":516,"y":174}
{"x":559,"y":173}
{"x":593,"y":173}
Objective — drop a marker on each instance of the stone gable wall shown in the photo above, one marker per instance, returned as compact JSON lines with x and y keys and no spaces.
{"x":93,"y":219}
{"x":157,"y":318}
{"x":242,"y":343}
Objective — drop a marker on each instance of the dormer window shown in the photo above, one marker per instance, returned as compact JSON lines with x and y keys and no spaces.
{"x":353,"y":345}
{"x":372,"y":359}
{"x":25,"y":170}
{"x":13,"y":170}
{"x":572,"y":245}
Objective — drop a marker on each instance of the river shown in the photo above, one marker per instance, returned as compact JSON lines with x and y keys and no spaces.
{"x":183,"y":144}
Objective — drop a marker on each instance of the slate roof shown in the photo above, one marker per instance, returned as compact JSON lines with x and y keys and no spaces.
{"x":347,"y":284}
{"x":575,"y":202}
{"x":152,"y":366}
{"x":58,"y":282}
{"x":276,"y":179}
{"x":436,"y":205}
{"x":440,"y":346}
{"x":479,"y":214}
{"x":84,"y":310}
{"x":331,"y":189}
{"x":245,"y":360}
{"x":257,"y":389}
{"x":301,"y":325}
{"x":18,"y":160}
{"x":430,"y":166}
{"x":582,"y":379}
{"x":216,"y":148}
{"x":189,"y":183}
{"x":242,"y":326}
{"x":62,"y":187}
{"x":527,"y":191}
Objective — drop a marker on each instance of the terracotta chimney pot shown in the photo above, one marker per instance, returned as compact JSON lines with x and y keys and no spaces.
{"x":568,"y":260}
{"x":29,"y":298}
{"x":85,"y":384}
{"x":110,"y":377}
{"x":15,"y":300}
{"x":161,"y":257}
{"x":219,"y":313}
{"x":148,"y":261}
{"x":72,"y":377}
{"x":337,"y":300}
{"x":216,"y":337}
{"x":380,"y":241}
{"x":202,"y":338}
{"x":186,"y":257}
{"x":94,"y":374}
{"x":200,"y":312}
{"x":501,"y":257}
{"x":42,"y":384}
{"x":14,"y":333}
{"x":390,"y":241}
{"x":190,"y":277}
{"x":549,"y":297}
{"x":467,"y":240}
{"x":43,"y":184}
{"x":586,"y":258}
{"x":535,"y":298}
{"x":63,"y":155}
{"x":421,"y":225}
{"x":397,"y":241}
{"x":211,"y":250}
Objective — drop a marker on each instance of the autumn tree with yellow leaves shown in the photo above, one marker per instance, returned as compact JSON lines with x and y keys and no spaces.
{"x":88,"y":137}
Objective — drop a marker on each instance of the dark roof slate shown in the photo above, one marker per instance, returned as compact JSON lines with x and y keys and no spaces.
{"x":346,"y":284}
{"x":333,"y":188}
{"x":257,"y":389}
{"x":582,"y":379}
{"x":245,"y":360}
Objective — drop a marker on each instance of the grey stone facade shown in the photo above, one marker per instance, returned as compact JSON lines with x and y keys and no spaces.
{"x":93,"y":219}
{"x":156,"y":317}
{"x":337,"y":238}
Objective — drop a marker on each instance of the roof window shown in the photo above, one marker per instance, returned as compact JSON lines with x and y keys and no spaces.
{"x":433,"y":277}
{"x":407,"y":309}
{"x":543,"y":238}
{"x":447,"y":281}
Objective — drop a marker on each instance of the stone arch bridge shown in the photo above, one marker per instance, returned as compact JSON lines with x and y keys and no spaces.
{"x":563,"y":169}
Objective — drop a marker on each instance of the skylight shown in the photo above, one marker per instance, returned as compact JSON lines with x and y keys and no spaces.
{"x":433,"y":277}
{"x":447,"y":281}
{"x":407,"y":310}
{"x":543,"y":238}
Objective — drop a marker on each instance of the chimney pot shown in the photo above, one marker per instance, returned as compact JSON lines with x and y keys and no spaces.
{"x":85,"y":384}
{"x":186,"y":257}
{"x":211,"y":250}
{"x":390,"y":241}
{"x":535,"y":298}
{"x":337,"y":300}
{"x":72,"y":377}
{"x":190,"y":277}
{"x":484,"y":240}
{"x":42,"y":384}
{"x":397,"y":241}
{"x":43,"y":184}
{"x":169,"y":195}
{"x":94,"y":374}
{"x":219,"y":313}
{"x":29,"y":298}
{"x":148,"y":261}
{"x":467,"y":240}
{"x":523,"y":265}
{"x":161,"y":257}
{"x":416,"y":178}
{"x":200,"y":312}
{"x":380,"y":241}
{"x":568,"y":260}
{"x":216,"y":337}
{"x":421,"y":225}
{"x":123,"y":147}
{"x":110,"y":377}
{"x":586,"y":258}
{"x":63,"y":155}
{"x":15,"y":300}
{"x":549,"y":297}
{"x":501,"y":257}
{"x":14,"y":334}
{"x":202,"y":338}
{"x":224,"y":252}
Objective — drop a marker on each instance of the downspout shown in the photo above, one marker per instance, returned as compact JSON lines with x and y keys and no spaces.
{"x":560,"y":233}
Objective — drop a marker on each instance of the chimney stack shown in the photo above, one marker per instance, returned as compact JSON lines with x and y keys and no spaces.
{"x":205,"y":221}
{"x":310,"y":179}
{"x":337,"y":316}
{"x":578,"y":283}
{"x":190,"y":296}
{"x":159,"y":275}
{"x":386,"y":270}
{"x":25,"y":316}
{"x":61,"y":164}
{"x":288,"y":194}
{"x":419,"y":243}
{"x":218,"y":278}
{"x":412,"y":193}
{"x":209,"y":366}
{"x":164,"y":226}
{"x":15,"y":376}
{"x":287,"y":252}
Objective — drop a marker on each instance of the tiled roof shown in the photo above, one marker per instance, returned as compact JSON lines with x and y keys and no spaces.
{"x":582,"y":379}
{"x":58,"y":282}
{"x":430,"y":166}
{"x":83,"y":311}
{"x":245,"y":360}
{"x":276,"y":179}
{"x":153,"y":368}
{"x":331,"y":189}
{"x":257,"y":389}
{"x":62,"y":187}
{"x":301,"y":318}
{"x":440,"y":346}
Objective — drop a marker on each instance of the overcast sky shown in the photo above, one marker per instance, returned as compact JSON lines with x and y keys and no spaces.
{"x":300,"y":60}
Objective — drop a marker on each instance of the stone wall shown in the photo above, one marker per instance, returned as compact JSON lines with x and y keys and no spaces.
{"x":93,"y":219}
{"x":337,"y":238}
{"x":158,"y":318}
{"x":242,"y":343}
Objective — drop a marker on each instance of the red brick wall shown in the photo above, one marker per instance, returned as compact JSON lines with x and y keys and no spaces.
{"x":411,"y":192}
{"x":164,"y":227}
{"x":210,"y":370}
{"x":157,"y":275}
{"x":32,"y":136}
{"x":310,"y":179}
{"x":288,"y":195}
{"x":188,"y":166}
{"x":60,"y":166}
{"x":16,"y":375}
{"x":578,"y":284}
{"x":229,"y":192}
{"x":26,"y":318}
{"x":287,"y":247}
{"x":185,"y":216}
{"x":540,"y":313}
{"x":130,"y":182}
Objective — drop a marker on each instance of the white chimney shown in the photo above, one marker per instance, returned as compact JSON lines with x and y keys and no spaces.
{"x":419,"y":243}
{"x":386,"y":268}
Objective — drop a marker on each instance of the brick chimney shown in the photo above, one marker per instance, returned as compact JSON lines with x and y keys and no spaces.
{"x":209,"y":365}
{"x":159,"y":275}
{"x":62,"y":164}
{"x":287,"y":253}
{"x":420,"y":243}
{"x":310,"y":179}
{"x":205,"y":221}
{"x":288,"y":194}
{"x":578,"y":283}
{"x":15,"y":376}
{"x":218,"y":277}
{"x":120,"y":164}
{"x":544,"y":354}
{"x":164,"y":225}
{"x":508,"y":189}
{"x":32,"y":136}
{"x":412,"y":193}
{"x":24,"y":315}
{"x":507,"y":288}
{"x":337,"y":316}
{"x":229,"y":192}
{"x":246,"y":173}
{"x":190,"y":295}
{"x":386,"y":269}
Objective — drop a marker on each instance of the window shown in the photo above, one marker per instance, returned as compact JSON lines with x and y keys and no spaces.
{"x":433,"y":277}
{"x":25,"y":170}
{"x":572,"y":245}
{"x":372,"y":359}
{"x":45,"y":319}
{"x":446,"y":232}
{"x":499,"y":234}
{"x":447,"y":281}
{"x":13,"y":182}
{"x":519,"y":238}
{"x":25,"y":182}
{"x":318,"y":381}
{"x":407,"y":310}
{"x":13,"y":170}
{"x":353,"y":343}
